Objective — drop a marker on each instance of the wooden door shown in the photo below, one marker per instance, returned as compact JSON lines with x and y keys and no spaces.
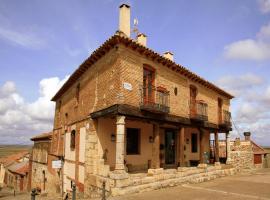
{"x":148,"y":86}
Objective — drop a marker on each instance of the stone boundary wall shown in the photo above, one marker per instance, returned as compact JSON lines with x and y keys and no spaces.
{"x":124,"y":183}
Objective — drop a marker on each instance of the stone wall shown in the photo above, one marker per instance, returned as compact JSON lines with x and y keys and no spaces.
{"x":241,"y":155}
{"x":123,"y":183}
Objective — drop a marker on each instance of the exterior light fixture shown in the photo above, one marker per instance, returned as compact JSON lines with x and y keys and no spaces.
{"x":151,"y":139}
{"x":113,"y":138}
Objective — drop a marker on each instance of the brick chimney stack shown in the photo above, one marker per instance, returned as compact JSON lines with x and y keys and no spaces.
{"x":247,"y":136}
{"x":124,"y":19}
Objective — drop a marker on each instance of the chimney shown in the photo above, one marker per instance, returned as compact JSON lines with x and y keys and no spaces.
{"x":124,"y":19}
{"x":142,"y":38}
{"x":247,"y":136}
{"x":168,"y":55}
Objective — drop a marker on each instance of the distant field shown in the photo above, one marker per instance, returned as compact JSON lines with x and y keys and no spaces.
{"x":6,"y":150}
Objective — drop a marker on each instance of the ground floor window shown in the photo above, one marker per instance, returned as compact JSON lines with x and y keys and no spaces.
{"x":133,"y":141}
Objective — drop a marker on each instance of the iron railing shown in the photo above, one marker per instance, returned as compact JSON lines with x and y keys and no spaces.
{"x":226,"y":118}
{"x":199,"y":110}
{"x":154,"y":99}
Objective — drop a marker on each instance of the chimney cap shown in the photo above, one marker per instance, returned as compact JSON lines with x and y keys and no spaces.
{"x":168,"y":52}
{"x":247,"y":133}
{"x":141,"y":34}
{"x":124,"y":5}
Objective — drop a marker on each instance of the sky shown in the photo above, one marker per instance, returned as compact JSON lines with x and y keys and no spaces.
{"x":42,"y":42}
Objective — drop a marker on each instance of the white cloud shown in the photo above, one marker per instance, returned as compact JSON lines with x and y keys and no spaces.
{"x":22,"y":38}
{"x":248,"y":50}
{"x":251,"y":107}
{"x":22,"y":119}
{"x":257,"y":49}
{"x":264,"y":6}
{"x":239,"y":84}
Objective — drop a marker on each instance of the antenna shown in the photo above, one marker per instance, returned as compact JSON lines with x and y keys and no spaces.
{"x":135,"y":26}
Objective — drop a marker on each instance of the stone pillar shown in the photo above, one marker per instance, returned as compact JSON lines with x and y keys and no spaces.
{"x":181,"y":147}
{"x":228,"y":148}
{"x":216,"y":147}
{"x":201,"y":147}
{"x":120,"y":143}
{"x":155,"y":164}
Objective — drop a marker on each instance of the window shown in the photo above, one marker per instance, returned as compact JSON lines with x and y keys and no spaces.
{"x":72,"y":140}
{"x":78,"y":93}
{"x":133,"y":141}
{"x":194,"y":143}
{"x":148,"y":84}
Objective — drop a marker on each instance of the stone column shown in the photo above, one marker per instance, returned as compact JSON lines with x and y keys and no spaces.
{"x":155,"y":164}
{"x":216,"y":147}
{"x":120,"y":143}
{"x":228,"y":148}
{"x":201,"y":147}
{"x":181,"y":146}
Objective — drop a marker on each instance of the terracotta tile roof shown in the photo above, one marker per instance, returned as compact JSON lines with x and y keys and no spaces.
{"x":13,"y":158}
{"x":42,"y":136}
{"x":257,"y":149}
{"x":128,"y":42}
{"x":19,"y":167}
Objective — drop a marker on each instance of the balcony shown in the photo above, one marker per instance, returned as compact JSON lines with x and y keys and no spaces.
{"x":198,"y":110}
{"x":225,"y":119}
{"x":154,"y":99}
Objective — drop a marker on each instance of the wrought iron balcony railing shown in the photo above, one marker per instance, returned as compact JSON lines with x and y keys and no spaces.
{"x":199,"y":110}
{"x":154,"y":99}
{"x":226,"y":118}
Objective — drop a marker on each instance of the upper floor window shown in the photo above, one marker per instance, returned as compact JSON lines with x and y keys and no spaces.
{"x":72,"y":139}
{"x":220,"y":102}
{"x":148,"y":84}
{"x":78,"y":93}
{"x":59,"y":105}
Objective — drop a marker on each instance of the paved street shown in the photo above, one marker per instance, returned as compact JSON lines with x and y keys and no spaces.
{"x":246,"y":186}
{"x":254,"y":185}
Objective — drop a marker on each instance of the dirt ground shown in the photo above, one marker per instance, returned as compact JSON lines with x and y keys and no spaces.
{"x":245,"y":186}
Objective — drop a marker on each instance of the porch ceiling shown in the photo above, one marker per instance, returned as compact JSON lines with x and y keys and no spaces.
{"x":135,"y":112}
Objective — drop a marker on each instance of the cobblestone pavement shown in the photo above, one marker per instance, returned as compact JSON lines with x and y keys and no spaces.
{"x":245,"y":186}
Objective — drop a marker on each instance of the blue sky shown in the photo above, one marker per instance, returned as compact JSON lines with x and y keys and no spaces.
{"x":42,"y":42}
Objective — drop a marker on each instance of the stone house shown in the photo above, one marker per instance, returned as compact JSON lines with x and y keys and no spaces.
{"x":17,"y":175}
{"x":247,"y":153}
{"x":14,"y":171}
{"x":128,"y":109}
{"x":43,"y":176}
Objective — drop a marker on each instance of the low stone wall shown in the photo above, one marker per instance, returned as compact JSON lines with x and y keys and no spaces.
{"x":124,"y":183}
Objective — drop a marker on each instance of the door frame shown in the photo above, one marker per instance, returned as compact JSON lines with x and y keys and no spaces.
{"x":174,"y":165}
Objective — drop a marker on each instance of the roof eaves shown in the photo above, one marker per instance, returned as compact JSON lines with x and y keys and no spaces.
{"x":118,"y":38}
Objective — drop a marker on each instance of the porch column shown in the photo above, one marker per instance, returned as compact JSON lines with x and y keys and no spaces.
{"x":181,"y":146}
{"x":155,"y":164}
{"x":120,"y":143}
{"x":202,"y":147}
{"x":228,"y":148}
{"x":216,"y":147}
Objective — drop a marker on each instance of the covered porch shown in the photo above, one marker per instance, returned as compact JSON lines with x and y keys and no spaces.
{"x":133,"y":144}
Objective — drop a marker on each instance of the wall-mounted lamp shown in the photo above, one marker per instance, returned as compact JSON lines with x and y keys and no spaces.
{"x":151,"y":139}
{"x":113,"y":138}
{"x":187,"y":141}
